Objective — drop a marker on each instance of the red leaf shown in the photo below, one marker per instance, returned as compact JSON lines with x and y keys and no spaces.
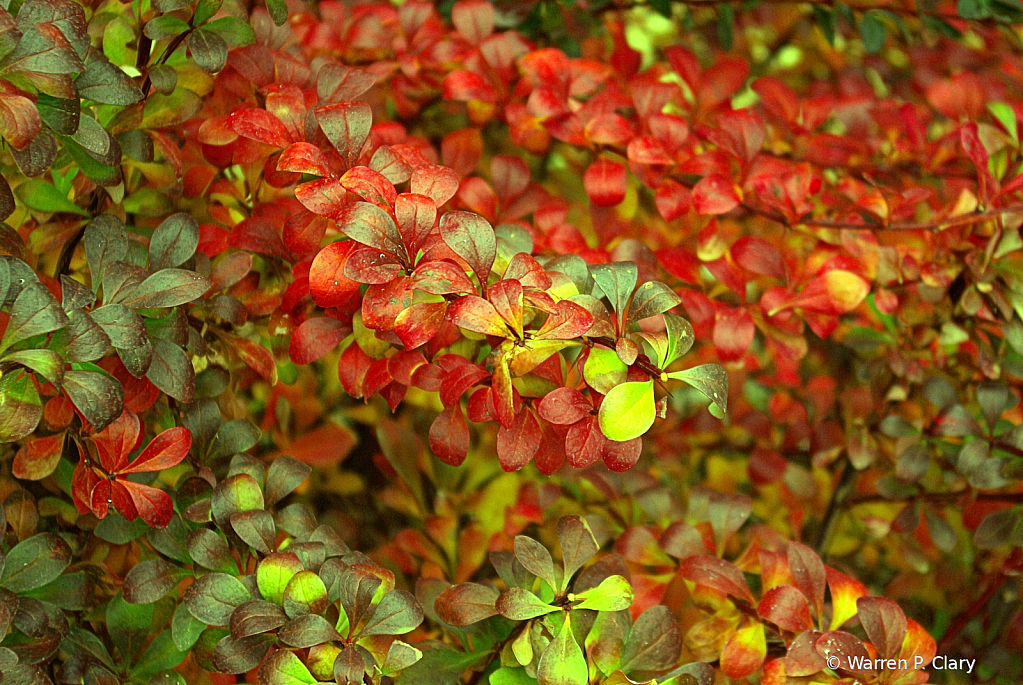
{"x":673,"y":199}
{"x":19,"y":119}
{"x":715,"y":194}
{"x":315,"y":338}
{"x":352,"y":366}
{"x":257,"y":234}
{"x":416,"y":216}
{"x":256,"y":357}
{"x":741,"y":132}
{"x":605,"y":183}
{"x":478,"y":315}
{"x":721,"y":81}
{"x":622,"y":456}
{"x":435,"y":182}
{"x":568,"y":321}
{"x":347,"y":126}
{"x":458,"y":380}
{"x":778,"y":98}
{"x":449,"y":436}
{"x":260,"y":126}
{"x":584,"y":443}
{"x":808,"y":574}
{"x":506,"y":296}
{"x":461,"y":150}
{"x":733,"y":333}
{"x":564,"y":406}
{"x":787,"y":608}
{"x":441,"y":278}
{"x":759,"y":256}
{"x":338,"y":83}
{"x":327,"y":281}
{"x":716,"y":573}
{"x":802,"y":658}
{"x":474,"y":19}
{"x":744,"y":652}
{"x":418,"y":324}
{"x":648,"y":150}
{"x":165,"y":451}
{"x":154,"y":506}
{"x":115,"y":442}
{"x":324,"y":196}
{"x":370,"y":185}
{"x":383,"y":303}
{"x":373,"y":226}
{"x":833,"y":292}
{"x":517,"y":444}
{"x":463,"y":85}
{"x":371,"y":266}
{"x":38,"y":458}
{"x":884,"y":623}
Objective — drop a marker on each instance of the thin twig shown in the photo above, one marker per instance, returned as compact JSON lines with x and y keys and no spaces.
{"x":963,"y":619}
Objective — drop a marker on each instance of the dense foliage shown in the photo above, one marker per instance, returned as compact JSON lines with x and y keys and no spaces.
{"x":526,"y":343}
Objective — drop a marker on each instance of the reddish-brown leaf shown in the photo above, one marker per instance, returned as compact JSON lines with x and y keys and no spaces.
{"x":346,"y":125}
{"x":622,"y":456}
{"x":154,"y":506}
{"x":564,"y":406}
{"x":759,"y":256}
{"x":517,"y":445}
{"x":808,"y":574}
{"x":436,"y":182}
{"x":449,"y":436}
{"x":260,"y":126}
{"x":715,"y":194}
{"x":165,"y":451}
{"x":718,"y":574}
{"x":787,"y":608}
{"x":478,"y":315}
{"x":419,"y":323}
{"x":605,"y":182}
{"x":568,"y":321}
{"x":315,"y":338}
{"x":884,"y":623}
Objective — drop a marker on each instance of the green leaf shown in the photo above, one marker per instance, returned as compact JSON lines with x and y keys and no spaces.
{"x":616,"y":281}
{"x":35,"y":562}
{"x":103,"y":82}
{"x":174,"y":242}
{"x":171,"y":370}
{"x":578,"y":545}
{"x":128,"y":625}
{"x":236,"y":32}
{"x":47,"y":363}
{"x":161,"y":655}
{"x":680,"y":337}
{"x":726,"y":26}
{"x":535,"y":558}
{"x":711,"y":380}
{"x":563,"y":663}
{"x":514,"y":676}
{"x":213,"y":597}
{"x":603,"y":370}
{"x":305,"y":593}
{"x":441,"y":665}
{"x":1006,"y":116}
{"x":168,"y":288}
{"x":96,"y":393}
{"x":518,"y":604}
{"x":613,"y":594}
{"x":79,"y":642}
{"x":205,"y":10}
{"x":650,"y":299}
{"x":40,"y":195}
{"x":123,"y":326}
{"x":284,"y":475}
{"x":71,"y":592}
{"x":873,"y":32}
{"x":400,"y":656}
{"x":826,"y":21}
{"x":628,"y":411}
{"x":59,"y":114}
{"x":274,"y":573}
{"x":41,"y":51}
{"x":972,"y":10}
{"x":164,"y":28}
{"x":662,"y":7}
{"x":185,"y":628}
{"x":278,"y":11}
{"x":208,"y":50}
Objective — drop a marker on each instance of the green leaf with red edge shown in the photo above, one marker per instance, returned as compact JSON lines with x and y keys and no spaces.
{"x":304,"y":594}
{"x":168,"y":288}
{"x":628,"y":411}
{"x":347,"y":126}
{"x":616,"y":281}
{"x":472,"y":238}
{"x":745,"y":651}
{"x":449,"y":436}
{"x":46,"y":363}
{"x":208,"y":50}
{"x":165,"y":451}
{"x":535,"y":558}
{"x":650,"y":299}
{"x":273,"y":574}
{"x":884,"y":623}
{"x":315,"y":338}
{"x":35,"y":311}
{"x":716,"y":573}
{"x":787,"y":608}
{"x":20,"y":122}
{"x":715,"y":194}
{"x":711,"y":380}
{"x":214,"y":597}
{"x":396,"y":614}
{"x":518,"y":604}
{"x":466,"y":603}
{"x":605,"y":182}
{"x":150,"y":580}
{"x":475,"y":314}
{"x":43,"y":48}
{"x":34,"y":562}
{"x":95,"y":393}
{"x":654,"y":643}
{"x":844,"y":593}
{"x":372,"y":226}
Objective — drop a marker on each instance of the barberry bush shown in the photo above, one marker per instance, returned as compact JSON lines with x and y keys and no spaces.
{"x":551,"y":342}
